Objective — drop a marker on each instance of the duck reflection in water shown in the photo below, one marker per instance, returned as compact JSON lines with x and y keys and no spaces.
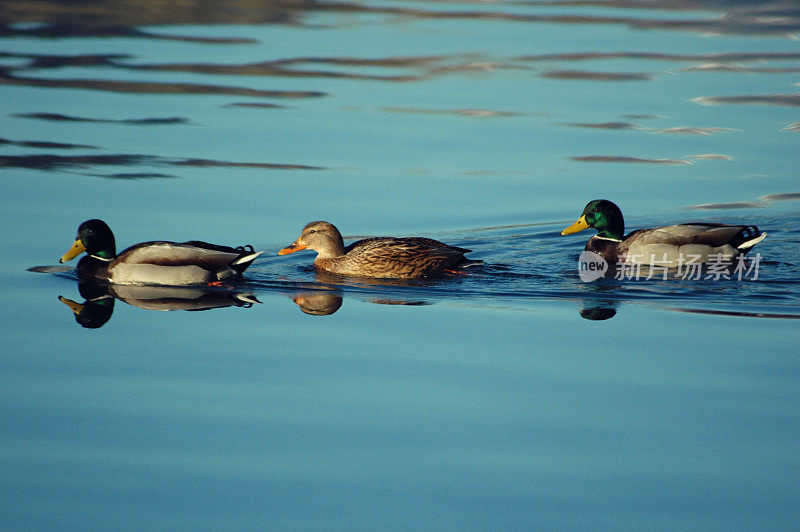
{"x":597,"y":310}
{"x":329,"y":298}
{"x":321,"y":303}
{"x":325,"y":303}
{"x":99,"y":298}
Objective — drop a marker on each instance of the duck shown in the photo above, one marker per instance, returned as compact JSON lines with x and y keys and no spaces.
{"x":156,"y":262}
{"x":378,"y":257}
{"x":670,"y":246}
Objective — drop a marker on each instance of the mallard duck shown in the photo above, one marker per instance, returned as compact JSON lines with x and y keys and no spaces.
{"x":385,"y":257}
{"x":672,"y":245}
{"x":155,"y":263}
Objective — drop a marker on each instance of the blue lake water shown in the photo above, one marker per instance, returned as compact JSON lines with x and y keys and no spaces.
{"x":516,"y":396}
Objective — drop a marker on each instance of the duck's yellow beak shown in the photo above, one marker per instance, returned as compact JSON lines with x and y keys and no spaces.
{"x":296,"y":246}
{"x":76,"y":249}
{"x":580,"y":225}
{"x":76,"y":307}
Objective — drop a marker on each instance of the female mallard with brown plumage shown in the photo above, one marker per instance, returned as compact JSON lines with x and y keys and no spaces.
{"x":157,"y":262}
{"x":671,"y":245}
{"x":385,"y":257}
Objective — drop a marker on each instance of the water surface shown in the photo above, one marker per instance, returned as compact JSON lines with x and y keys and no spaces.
{"x":515,"y":396}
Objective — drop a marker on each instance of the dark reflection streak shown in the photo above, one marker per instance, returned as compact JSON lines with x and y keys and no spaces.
{"x":53,"y":162}
{"x":115,"y":60}
{"x":149,"y":87}
{"x":281,"y":67}
{"x":738,"y":69}
{"x":469,"y":64}
{"x":735,"y":21}
{"x":783,"y":196}
{"x":604,"y":125}
{"x":46,"y":145}
{"x":413,"y":61}
{"x":58,"y":61}
{"x":193,"y":39}
{"x":133,"y":175}
{"x":617,"y":159}
{"x":122,"y":18}
{"x":719,"y":58}
{"x":595,"y":76}
{"x":476,"y":113}
{"x":764,"y":99}
{"x":761,"y":202}
{"x":739,"y":314}
{"x":694,"y":130}
{"x":266,"y":69}
{"x":82,"y":29}
{"x":54,"y":117}
{"x":227,"y":164}
{"x":256,"y":105}
{"x":398,"y":302}
{"x":726,"y":206}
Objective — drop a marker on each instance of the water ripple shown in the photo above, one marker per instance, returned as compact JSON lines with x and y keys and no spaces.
{"x":585,"y":75}
{"x":623,"y":159}
{"x":150,"y":87}
{"x":53,"y":162}
{"x":56,"y":117}
{"x":46,"y":145}
{"x":792,"y":100}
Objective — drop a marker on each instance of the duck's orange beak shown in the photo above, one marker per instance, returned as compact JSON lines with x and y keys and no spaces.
{"x":76,"y":249}
{"x":580,"y":225}
{"x":296,"y":246}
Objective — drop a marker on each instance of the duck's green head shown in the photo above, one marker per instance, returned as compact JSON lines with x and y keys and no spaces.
{"x":95,"y":238}
{"x":602,"y":215}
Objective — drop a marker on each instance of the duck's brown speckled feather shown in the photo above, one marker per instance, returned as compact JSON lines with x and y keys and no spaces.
{"x":395,"y":257}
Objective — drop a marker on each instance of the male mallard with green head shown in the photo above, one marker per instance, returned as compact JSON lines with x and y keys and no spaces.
{"x":384,"y":257}
{"x":156,"y":262}
{"x":671,"y":245}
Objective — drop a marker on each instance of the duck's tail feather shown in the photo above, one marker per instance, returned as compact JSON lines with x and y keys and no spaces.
{"x":245,"y":300}
{"x":748,"y":244}
{"x":469,"y":263}
{"x":239,"y":265}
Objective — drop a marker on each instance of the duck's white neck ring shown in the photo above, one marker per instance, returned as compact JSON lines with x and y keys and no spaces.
{"x":101,"y":258}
